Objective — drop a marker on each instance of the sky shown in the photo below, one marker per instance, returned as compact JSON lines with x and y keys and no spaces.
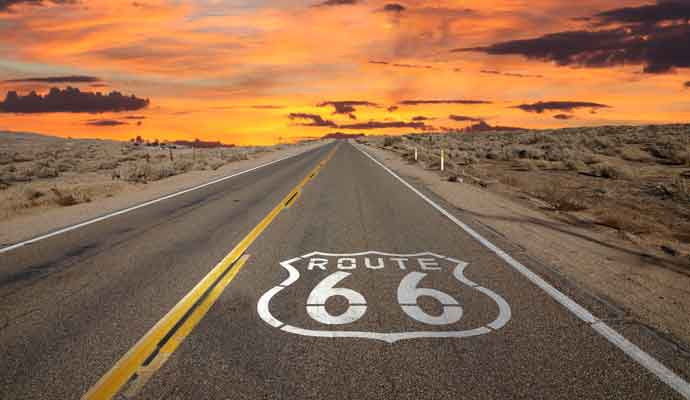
{"x":268,"y":71}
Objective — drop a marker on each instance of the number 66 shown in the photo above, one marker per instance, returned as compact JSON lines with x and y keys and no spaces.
{"x":408,"y":295}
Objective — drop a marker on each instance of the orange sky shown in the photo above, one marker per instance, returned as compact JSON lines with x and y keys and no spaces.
{"x":234,"y":70}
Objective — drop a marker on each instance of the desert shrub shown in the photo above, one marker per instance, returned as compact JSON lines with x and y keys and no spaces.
{"x":590,"y":159}
{"x":635,"y":154}
{"x":32,"y":194}
{"x":671,"y":152}
{"x":182,"y":165}
{"x":233,"y":156}
{"x":6,"y":157}
{"x":575,"y":165}
{"x":525,"y":165}
{"x":66,"y":164}
{"x":561,"y":199}
{"x":681,"y":188}
{"x":22,"y":157}
{"x":624,"y":220}
{"x":112,"y":164}
{"x":64,"y":199}
{"x":215,"y":164}
{"x":46,"y":172}
{"x":391,"y":140}
{"x":610,"y":171}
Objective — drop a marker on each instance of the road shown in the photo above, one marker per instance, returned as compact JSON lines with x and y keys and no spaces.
{"x":337,"y":280}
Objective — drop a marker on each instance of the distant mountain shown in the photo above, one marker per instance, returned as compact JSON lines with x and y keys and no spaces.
{"x":200,"y":144}
{"x":341,"y":135}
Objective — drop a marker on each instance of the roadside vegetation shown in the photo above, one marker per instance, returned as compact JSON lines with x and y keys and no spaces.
{"x":633,"y":180}
{"x":42,"y":171}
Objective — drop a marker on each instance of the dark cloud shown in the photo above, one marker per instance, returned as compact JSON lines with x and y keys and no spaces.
{"x":5,"y":5}
{"x":56,"y":79}
{"x":347,"y":106}
{"x":105,"y":122}
{"x":687,"y":84}
{"x":317,"y":120}
{"x":385,"y":124}
{"x":647,"y":14}
{"x":70,"y":100}
{"x":463,"y":118}
{"x":512,"y":74}
{"x":420,"y":118}
{"x":649,"y":37}
{"x":134,"y":117}
{"x":460,"y":101}
{"x":400,"y":65}
{"x":392,"y":108}
{"x":313,"y":120}
{"x":541,"y":106}
{"x":329,"y":3}
{"x":563,"y":116}
{"x":394,"y":8}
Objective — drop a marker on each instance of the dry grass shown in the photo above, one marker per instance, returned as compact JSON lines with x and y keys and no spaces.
{"x":41,"y":171}
{"x":629,"y":178}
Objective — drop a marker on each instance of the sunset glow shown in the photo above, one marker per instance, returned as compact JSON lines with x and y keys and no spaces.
{"x":247,"y":72}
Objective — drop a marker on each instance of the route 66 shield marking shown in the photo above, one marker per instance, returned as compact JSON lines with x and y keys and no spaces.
{"x":327,"y":277}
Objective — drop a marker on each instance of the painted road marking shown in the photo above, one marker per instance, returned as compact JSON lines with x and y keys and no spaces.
{"x":156,"y":346}
{"x":629,"y":348}
{"x":335,"y":269}
{"x":145,"y":204}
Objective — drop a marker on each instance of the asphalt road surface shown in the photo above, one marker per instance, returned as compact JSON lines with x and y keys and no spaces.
{"x":337,"y":281}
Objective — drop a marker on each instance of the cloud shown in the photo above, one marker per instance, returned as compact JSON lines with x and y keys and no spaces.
{"x":512,"y":74}
{"x":563,"y":116}
{"x":463,"y":118}
{"x":317,"y":120}
{"x":648,"y":37}
{"x":401,"y":65}
{"x":329,"y":3}
{"x":70,"y":100}
{"x":647,"y":14}
{"x":5,"y":5}
{"x":687,"y":84}
{"x":134,"y":117}
{"x":392,"y":108}
{"x":384,"y":125}
{"x":105,"y":122}
{"x":347,"y":106}
{"x":459,"y":101}
{"x":541,"y":106}
{"x":420,"y":118}
{"x":393,"y":8}
{"x":313,"y":120}
{"x":56,"y":79}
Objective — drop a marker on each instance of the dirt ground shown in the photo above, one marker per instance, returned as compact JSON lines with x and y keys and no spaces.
{"x":47,"y":182}
{"x":622,"y":234}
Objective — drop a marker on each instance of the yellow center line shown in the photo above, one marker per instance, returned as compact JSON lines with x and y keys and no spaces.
{"x":156,"y":346}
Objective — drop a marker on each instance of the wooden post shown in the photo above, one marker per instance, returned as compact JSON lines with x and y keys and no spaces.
{"x":442,"y":160}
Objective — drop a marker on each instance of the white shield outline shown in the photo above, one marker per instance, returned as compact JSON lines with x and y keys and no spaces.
{"x":262,"y":306}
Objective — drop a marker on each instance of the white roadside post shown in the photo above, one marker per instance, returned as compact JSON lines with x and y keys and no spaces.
{"x":415,"y":154}
{"x":442,"y":160}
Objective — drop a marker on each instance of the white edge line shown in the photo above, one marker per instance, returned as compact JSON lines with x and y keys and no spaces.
{"x":138,"y":206}
{"x":629,"y":348}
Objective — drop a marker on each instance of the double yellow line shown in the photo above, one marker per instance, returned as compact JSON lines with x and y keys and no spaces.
{"x":134,"y":369}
